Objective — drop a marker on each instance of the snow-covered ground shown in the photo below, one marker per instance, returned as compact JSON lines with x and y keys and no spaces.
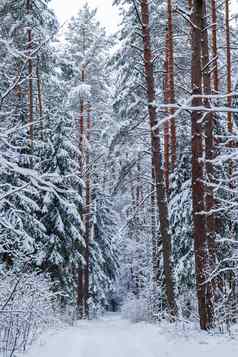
{"x":115,"y":337}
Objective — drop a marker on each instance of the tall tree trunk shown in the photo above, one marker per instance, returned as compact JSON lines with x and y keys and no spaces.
{"x":30,"y":74}
{"x":166,"y":124}
{"x":171,"y":91}
{"x":231,"y":278}
{"x":229,"y":79}
{"x":216,"y":84}
{"x":209,"y":155}
{"x":215,"y":75}
{"x":157,"y":162}
{"x":199,"y":222}
{"x":39,"y":96}
{"x":81,"y":126}
{"x":81,"y":279}
{"x":87,"y":216}
{"x":155,"y":240}
{"x":229,"y":70}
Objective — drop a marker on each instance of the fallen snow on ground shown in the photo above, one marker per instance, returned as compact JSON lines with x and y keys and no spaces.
{"x":115,"y":337}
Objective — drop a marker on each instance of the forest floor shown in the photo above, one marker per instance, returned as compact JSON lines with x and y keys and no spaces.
{"x":114,"y":337}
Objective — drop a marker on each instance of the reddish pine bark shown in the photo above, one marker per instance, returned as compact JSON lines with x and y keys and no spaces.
{"x":156,"y":160}
{"x":199,"y":223}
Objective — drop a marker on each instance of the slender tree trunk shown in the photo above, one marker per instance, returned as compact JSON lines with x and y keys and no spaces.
{"x":87,"y":217}
{"x":199,"y":222}
{"x":171,"y":90}
{"x":157,"y":162}
{"x":39,"y":96}
{"x":155,"y":242}
{"x":229,"y":70}
{"x":166,"y":124}
{"x":81,"y":126}
{"x":30,"y":75}
{"x":231,"y":278}
{"x":81,"y":278}
{"x":216,"y":84}
{"x":229,"y":80}
{"x":215,"y":75}
{"x":209,"y":155}
{"x":155,"y":245}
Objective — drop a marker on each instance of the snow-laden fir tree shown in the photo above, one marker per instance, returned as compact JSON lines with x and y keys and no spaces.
{"x":61,"y":208}
{"x":23,"y":37}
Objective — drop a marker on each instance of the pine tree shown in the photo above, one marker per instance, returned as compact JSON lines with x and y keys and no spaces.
{"x":86,"y":55}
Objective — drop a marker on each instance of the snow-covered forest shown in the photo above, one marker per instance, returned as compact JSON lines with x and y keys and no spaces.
{"x":118,"y":167}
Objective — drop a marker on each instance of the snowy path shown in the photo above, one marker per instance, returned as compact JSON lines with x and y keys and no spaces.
{"x":114,"y":337}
